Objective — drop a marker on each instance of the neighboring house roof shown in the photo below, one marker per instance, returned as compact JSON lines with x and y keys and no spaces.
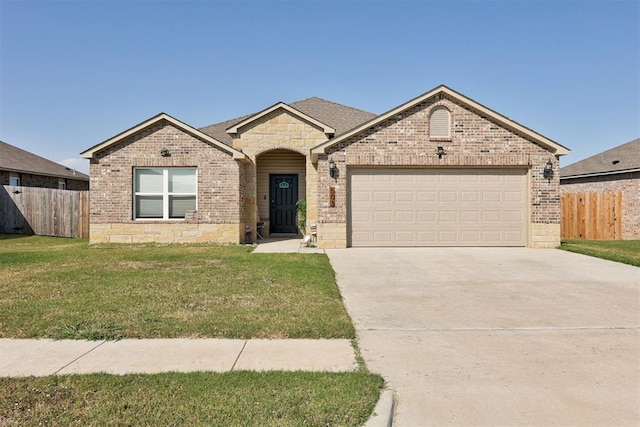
{"x":238,"y":155}
{"x":620,"y":159}
{"x":15,"y":159}
{"x":552,"y":146}
{"x":337,"y":116}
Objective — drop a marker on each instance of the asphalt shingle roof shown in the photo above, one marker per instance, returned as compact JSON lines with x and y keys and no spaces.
{"x":338,"y":116}
{"x":18,"y":160}
{"x":618,"y":159}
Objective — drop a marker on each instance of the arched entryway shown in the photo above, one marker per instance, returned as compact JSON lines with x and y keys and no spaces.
{"x":280,"y":183}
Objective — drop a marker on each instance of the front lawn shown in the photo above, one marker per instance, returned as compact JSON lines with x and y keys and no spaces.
{"x":625,"y":251}
{"x":229,"y":399}
{"x":66,"y":288}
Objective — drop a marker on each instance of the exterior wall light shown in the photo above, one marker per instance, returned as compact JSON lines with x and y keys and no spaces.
{"x":548,"y":170}
{"x":440,"y":152}
{"x":333,"y":170}
{"x":165,"y":153}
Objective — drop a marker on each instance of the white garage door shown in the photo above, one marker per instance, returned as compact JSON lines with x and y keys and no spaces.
{"x":437,"y":207}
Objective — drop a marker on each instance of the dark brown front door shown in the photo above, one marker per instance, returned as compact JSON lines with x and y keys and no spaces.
{"x":283,"y":194}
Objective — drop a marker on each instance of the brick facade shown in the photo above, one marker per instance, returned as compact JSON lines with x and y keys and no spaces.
{"x":476,"y":141}
{"x":220,"y":206}
{"x":32,"y":180}
{"x":231,"y":198}
{"x":628,"y":183}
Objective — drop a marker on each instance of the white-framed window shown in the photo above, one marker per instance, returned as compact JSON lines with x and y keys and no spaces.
{"x":164,"y":193}
{"x":14,"y":179}
{"x":62,"y":183}
{"x":440,"y":123}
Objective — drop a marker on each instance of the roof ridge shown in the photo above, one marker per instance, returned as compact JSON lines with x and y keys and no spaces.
{"x":334,"y":103}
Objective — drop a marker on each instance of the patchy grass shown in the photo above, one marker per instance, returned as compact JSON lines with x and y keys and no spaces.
{"x":229,"y":399}
{"x":625,"y":251}
{"x":66,"y":288}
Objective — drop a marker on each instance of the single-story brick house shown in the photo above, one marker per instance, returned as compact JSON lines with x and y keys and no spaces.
{"x":22,"y":168}
{"x":617,"y":169}
{"x":438,"y":170}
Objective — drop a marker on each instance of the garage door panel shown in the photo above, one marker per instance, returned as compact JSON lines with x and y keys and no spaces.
{"x":382,"y":217}
{"x":405,"y":216}
{"x":405,"y":196}
{"x":448,"y":196}
{"x":437,"y":207}
{"x":426,"y":196}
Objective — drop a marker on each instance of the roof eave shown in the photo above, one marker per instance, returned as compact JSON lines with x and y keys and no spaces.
{"x":554,"y":147}
{"x":53,"y":175}
{"x":589,"y":175}
{"x":237,"y":155}
{"x":328,"y":130}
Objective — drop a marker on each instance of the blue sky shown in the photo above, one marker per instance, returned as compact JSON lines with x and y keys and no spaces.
{"x":74,"y":73}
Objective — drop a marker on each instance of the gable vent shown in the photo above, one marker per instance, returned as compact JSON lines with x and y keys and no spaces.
{"x":439,"y":123}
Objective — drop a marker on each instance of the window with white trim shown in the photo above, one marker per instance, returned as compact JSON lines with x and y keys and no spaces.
{"x":164,"y":193}
{"x":62,"y":183}
{"x":440,"y":123}
{"x":14,"y":179}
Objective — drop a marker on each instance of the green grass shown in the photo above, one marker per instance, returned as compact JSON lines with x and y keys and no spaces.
{"x":625,"y":251}
{"x":194,"y":399}
{"x":66,"y":288}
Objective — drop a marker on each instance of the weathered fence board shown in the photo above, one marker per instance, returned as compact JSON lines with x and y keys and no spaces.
{"x":592,"y":216}
{"x":44,"y":211}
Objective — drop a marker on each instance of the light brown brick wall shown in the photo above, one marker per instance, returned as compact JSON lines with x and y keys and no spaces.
{"x":219,"y":178}
{"x":628,"y":183}
{"x":475,"y":141}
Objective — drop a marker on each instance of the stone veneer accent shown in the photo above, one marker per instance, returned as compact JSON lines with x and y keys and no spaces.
{"x":278,"y":130}
{"x":628,"y":183}
{"x":163,"y":232}
{"x":332,"y":235}
{"x":476,"y":141}
{"x":220,"y":200}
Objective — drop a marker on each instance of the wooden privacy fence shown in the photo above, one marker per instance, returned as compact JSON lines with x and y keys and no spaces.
{"x":44,"y":211}
{"x":592,"y":216}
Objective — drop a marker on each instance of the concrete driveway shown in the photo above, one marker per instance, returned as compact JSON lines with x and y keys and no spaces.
{"x":497,"y":336}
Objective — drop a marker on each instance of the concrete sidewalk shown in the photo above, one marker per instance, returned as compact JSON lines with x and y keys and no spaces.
{"x":284,"y":243}
{"x":42,"y":357}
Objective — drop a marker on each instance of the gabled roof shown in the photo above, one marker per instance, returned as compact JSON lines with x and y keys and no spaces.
{"x":238,"y":155}
{"x":552,"y":146}
{"x":281,"y":105}
{"x":15,"y":159}
{"x":340,"y":117}
{"x":620,"y":159}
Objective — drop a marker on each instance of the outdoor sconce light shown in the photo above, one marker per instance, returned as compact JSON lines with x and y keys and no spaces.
{"x":165,"y":153}
{"x":333,"y":171}
{"x":548,"y":170}
{"x":440,"y":152}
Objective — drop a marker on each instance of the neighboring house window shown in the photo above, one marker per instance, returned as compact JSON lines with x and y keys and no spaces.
{"x":14,"y":179}
{"x":440,"y":123}
{"x":62,"y":183}
{"x":164,"y":193}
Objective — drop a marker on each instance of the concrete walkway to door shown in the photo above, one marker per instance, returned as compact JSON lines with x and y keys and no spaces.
{"x":497,"y":336}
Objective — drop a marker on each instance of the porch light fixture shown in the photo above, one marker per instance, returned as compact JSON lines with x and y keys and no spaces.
{"x":332,"y":169}
{"x":548,"y":170}
{"x":440,"y":152}
{"x":165,"y":153}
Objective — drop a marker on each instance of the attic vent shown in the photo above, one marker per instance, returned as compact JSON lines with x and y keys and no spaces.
{"x":440,"y":123}
{"x":615,"y":162}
